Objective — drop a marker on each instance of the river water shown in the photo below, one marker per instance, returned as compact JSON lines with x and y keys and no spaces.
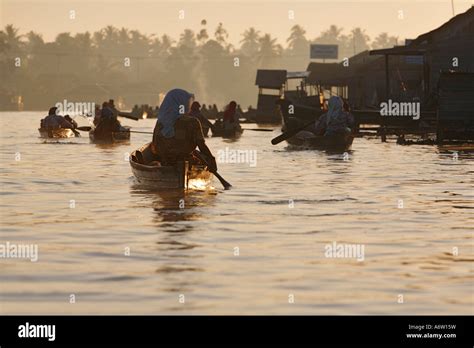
{"x":108,"y":246}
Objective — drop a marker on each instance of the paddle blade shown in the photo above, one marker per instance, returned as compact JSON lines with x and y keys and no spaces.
{"x":289,"y":133}
{"x":283,"y":137}
{"x":224,"y":183}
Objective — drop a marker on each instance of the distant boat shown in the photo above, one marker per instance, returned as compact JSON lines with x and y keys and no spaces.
{"x":112,"y":137}
{"x":218,"y":131}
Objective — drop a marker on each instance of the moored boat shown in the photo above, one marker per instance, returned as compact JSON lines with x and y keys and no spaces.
{"x":335,"y":143}
{"x":56,"y":133}
{"x":183,"y":175}
{"x":112,"y":137}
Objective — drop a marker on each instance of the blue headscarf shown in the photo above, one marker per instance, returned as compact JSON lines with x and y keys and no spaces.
{"x":170,"y":110}
{"x":335,"y":111}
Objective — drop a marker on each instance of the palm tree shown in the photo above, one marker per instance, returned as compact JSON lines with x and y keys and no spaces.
{"x":221,"y":34}
{"x":34,"y":41}
{"x":202,"y":36}
{"x":110,"y":37}
{"x":65,"y":42}
{"x":330,"y":36}
{"x":83,"y":41}
{"x":123,"y":38}
{"x":10,"y":39}
{"x":166,"y":43}
{"x":187,"y":39}
{"x":269,"y":50}
{"x":250,"y":43}
{"x":297,"y":40}
{"x":139,"y":43}
{"x":384,"y":41}
{"x":360,"y":40}
{"x":98,"y":39}
{"x":161,"y":48}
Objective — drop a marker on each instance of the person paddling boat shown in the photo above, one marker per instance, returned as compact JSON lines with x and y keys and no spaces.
{"x":176,"y":134}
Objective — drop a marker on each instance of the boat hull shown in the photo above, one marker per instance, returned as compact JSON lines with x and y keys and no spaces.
{"x":56,"y":133}
{"x":180,"y":176}
{"x":113,"y":137}
{"x":227,"y":133}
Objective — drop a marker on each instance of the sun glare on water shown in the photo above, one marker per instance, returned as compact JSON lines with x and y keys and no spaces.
{"x":199,"y":184}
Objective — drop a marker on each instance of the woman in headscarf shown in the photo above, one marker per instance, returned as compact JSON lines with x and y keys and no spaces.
{"x":231,"y":116}
{"x":196,"y":112}
{"x":335,"y":120}
{"x":176,"y":134}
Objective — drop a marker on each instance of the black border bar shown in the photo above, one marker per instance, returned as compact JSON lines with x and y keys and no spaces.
{"x":224,"y":330}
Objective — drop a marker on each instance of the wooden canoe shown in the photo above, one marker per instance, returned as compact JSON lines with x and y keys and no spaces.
{"x":183,"y":175}
{"x":336,"y":143}
{"x":112,"y":137}
{"x":227,"y":133}
{"x":56,"y":133}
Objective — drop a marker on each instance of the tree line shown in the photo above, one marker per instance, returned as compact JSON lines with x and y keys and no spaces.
{"x":201,"y":61}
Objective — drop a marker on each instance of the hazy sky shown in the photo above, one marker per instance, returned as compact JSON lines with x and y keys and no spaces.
{"x":51,"y":17}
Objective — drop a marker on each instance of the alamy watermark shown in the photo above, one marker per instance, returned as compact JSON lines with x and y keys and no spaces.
{"x":19,"y":251}
{"x":75,"y":109}
{"x":237,"y":156}
{"x":28,"y":330}
{"x":393,"y":108}
{"x":345,"y":251}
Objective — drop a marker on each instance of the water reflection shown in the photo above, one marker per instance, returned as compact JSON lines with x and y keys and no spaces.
{"x":109,"y":145}
{"x":175,"y":205}
{"x":178,"y":215}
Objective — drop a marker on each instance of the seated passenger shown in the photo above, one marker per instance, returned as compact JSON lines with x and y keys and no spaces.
{"x":53,"y":121}
{"x":231,"y":116}
{"x":335,"y":120}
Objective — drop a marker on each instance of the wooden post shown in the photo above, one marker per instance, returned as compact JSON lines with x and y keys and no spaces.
{"x":387,"y":79}
{"x":387,"y":96}
{"x":426,"y":78}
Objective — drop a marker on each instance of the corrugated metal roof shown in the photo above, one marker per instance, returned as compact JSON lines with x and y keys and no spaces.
{"x":272,"y":79}
{"x":332,"y":74}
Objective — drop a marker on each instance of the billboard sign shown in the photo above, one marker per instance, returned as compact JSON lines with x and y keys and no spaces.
{"x":324,"y":51}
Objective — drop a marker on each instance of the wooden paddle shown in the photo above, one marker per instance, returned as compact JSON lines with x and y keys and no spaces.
{"x":131,"y":131}
{"x":87,"y":129}
{"x":259,"y":129}
{"x":290,"y":133}
{"x":224,"y":183}
{"x":128,"y":115}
